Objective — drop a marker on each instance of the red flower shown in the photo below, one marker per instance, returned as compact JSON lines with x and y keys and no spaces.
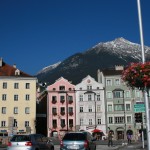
{"x":137,"y":75}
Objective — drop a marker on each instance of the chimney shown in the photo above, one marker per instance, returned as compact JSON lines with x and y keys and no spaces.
{"x":14,"y":65}
{"x":1,"y":62}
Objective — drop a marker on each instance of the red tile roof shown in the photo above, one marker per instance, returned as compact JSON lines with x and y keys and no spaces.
{"x":7,"y":70}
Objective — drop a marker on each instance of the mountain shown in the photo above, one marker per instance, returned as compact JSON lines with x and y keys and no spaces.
{"x":103,"y":55}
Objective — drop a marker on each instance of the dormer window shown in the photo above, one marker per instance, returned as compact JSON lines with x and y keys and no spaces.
{"x":17,"y":72}
{"x":62,"y":88}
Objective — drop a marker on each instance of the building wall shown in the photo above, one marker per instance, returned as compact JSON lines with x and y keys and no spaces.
{"x":54,"y":90}
{"x":88,"y":119}
{"x":21,"y":104}
{"x":130,"y":98}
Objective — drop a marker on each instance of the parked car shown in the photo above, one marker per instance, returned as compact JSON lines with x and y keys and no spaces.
{"x":30,"y":142}
{"x":78,"y":141}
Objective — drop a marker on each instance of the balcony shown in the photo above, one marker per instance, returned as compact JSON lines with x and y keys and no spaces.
{"x":70,"y":113}
{"x":54,"y":113}
{"x":62,"y":101}
{"x":70,"y":101}
{"x":62,"y":113}
{"x":54,"y":101}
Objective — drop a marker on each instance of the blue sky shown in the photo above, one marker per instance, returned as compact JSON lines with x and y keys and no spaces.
{"x":37,"y":33}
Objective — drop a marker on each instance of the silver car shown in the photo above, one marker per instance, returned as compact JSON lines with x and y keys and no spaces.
{"x":78,"y":141}
{"x":30,"y":142}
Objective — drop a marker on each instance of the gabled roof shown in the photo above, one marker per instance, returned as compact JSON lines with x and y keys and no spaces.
{"x":7,"y":70}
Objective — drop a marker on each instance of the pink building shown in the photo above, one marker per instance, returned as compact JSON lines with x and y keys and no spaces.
{"x":61,"y":107}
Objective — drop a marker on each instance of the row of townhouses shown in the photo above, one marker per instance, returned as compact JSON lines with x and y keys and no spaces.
{"x":106,"y":104}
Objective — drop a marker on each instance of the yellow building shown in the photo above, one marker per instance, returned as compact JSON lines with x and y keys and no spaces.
{"x":17,"y":101}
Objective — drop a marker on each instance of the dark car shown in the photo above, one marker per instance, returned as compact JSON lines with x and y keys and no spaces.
{"x":30,"y":142}
{"x":78,"y":141}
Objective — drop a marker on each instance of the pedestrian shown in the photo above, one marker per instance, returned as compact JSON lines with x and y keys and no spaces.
{"x":129,"y":138}
{"x":110,"y":139}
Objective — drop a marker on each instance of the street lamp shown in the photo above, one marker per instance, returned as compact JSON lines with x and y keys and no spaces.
{"x":95,"y":109}
{"x":117,"y":94}
{"x":143,"y":61}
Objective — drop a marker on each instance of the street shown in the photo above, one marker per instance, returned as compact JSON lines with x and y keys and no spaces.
{"x":105,"y":147}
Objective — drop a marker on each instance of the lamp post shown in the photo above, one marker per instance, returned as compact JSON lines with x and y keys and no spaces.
{"x":67,"y":110}
{"x":143,"y":61}
{"x":95,"y":110}
{"x":118,"y":96}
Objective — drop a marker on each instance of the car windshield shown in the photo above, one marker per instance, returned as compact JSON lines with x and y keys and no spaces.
{"x":20,"y":138}
{"x":74,"y":136}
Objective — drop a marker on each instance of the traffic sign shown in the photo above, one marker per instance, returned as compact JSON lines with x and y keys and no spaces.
{"x":139,"y":108}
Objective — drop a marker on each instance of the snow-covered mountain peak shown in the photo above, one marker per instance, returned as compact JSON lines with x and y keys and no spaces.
{"x":48,"y":68}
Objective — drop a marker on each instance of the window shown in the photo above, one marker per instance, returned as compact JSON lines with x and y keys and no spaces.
{"x":3,"y":110}
{"x":98,"y":108}
{"x":62,"y":109}
{"x":54,"y":123}
{"x":89,"y":87}
{"x":62,"y":98}
{"x":54,"y":98}
{"x":90,"y":108}
{"x":62,"y":123}
{"x":27,"y":110}
{"x":128,"y":107}
{"x":89,"y":97}
{"x":109,"y":108}
{"x":81,"y":97}
{"x":137,"y":93}
{"x":27,"y":97}
{"x":26,"y":123}
{"x":127,"y":94}
{"x":109,"y":94}
{"x":54,"y":89}
{"x":81,"y":108}
{"x":90,"y":121}
{"x":16,"y":85}
{"x":98,"y":97}
{"x":108,"y":82}
{"x":70,"y":122}
{"x":128,"y":119}
{"x":15,"y":110}
{"x":70,"y":98}
{"x":81,"y":121}
{"x":119,"y":120}
{"x":117,"y":82}
{"x":118,"y":94}
{"x":110,"y":120}
{"x":54,"y":110}
{"x":15,"y":123}
{"x":15,"y":97}
{"x":4,"y":97}
{"x":70,"y":109}
{"x":27,"y":86}
{"x":3,"y":123}
{"x":62,"y":88}
{"x":4,"y":85}
{"x":99,"y":121}
{"x":119,"y":107}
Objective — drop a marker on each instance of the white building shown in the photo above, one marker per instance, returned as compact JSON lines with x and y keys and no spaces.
{"x":90,"y":105}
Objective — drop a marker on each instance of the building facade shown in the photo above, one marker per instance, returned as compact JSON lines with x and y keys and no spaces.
{"x":120,"y":103}
{"x":17,"y":101}
{"x":90,"y":105}
{"x":61,"y":108}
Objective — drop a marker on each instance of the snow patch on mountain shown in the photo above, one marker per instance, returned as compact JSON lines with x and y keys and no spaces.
{"x":48,"y":68}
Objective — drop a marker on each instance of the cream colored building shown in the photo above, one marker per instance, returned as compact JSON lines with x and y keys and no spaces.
{"x":17,"y":101}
